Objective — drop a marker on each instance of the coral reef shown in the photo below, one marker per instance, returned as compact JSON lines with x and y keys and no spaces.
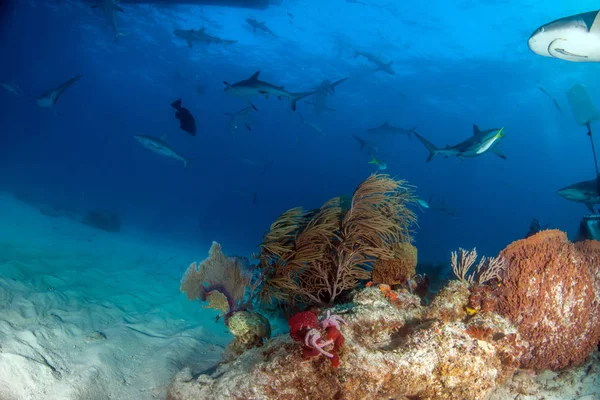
{"x":312,"y":257}
{"x":551,"y":291}
{"x":399,"y":269}
{"x":390,"y":351}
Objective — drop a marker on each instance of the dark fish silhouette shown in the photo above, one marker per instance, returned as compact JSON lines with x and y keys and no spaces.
{"x":184,"y":116}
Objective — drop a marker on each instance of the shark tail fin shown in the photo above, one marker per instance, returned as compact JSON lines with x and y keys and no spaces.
{"x":433,"y":151}
{"x":295,"y":97}
{"x":176,"y":104}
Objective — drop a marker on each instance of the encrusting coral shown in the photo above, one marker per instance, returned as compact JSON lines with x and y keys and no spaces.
{"x":551,"y":291}
{"x":312,"y":257}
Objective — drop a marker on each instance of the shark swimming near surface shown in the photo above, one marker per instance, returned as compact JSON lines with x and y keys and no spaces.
{"x":387,"y":129}
{"x":585,"y":192}
{"x":200,"y":35}
{"x":260,"y":25}
{"x":575,"y":38}
{"x":381,"y":66}
{"x":321,"y":93}
{"x":50,"y":98}
{"x":255,"y":87}
{"x":480,"y":143}
{"x":110,"y":9}
{"x":159,"y":146}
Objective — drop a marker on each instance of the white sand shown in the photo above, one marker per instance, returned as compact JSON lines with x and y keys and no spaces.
{"x":86,"y":314}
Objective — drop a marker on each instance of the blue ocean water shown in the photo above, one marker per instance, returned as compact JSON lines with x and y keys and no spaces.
{"x":457,"y":63}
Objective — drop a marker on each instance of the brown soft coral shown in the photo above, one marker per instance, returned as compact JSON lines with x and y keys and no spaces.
{"x":399,"y":269}
{"x":551,"y":291}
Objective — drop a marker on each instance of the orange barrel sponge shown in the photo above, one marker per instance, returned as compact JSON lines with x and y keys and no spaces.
{"x":550,"y":290}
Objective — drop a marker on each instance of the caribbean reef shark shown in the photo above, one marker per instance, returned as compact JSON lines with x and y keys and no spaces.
{"x":381,"y":66}
{"x":50,"y":98}
{"x":387,"y":129}
{"x":159,"y":146}
{"x":370,"y":147}
{"x":575,"y":38}
{"x":320,"y":98}
{"x":480,"y":143}
{"x":200,"y":35}
{"x":255,"y":87}
{"x":585,"y":192}
{"x":110,"y":9}
{"x":260,"y":25}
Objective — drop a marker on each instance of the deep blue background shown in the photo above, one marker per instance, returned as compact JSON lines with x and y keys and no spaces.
{"x":457,"y":63}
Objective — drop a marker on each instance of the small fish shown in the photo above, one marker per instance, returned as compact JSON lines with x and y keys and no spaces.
{"x":187,"y":122}
{"x":381,"y":165}
{"x":11,"y":88}
{"x":159,"y":146}
{"x":422,"y":203}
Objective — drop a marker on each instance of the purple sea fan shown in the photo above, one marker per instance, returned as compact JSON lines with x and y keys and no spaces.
{"x":218,"y":279}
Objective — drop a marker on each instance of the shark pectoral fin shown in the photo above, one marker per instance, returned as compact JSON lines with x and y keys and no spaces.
{"x":499,"y":153}
{"x":248,"y":127}
{"x":190,"y":44}
{"x":279,"y":97}
{"x":120,"y":9}
{"x":590,"y":206}
{"x":595,"y":28}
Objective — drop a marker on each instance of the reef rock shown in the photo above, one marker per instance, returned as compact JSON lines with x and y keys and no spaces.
{"x":391,"y":351}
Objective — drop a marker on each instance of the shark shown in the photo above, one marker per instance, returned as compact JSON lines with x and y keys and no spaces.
{"x":255,"y":87}
{"x":110,"y":9}
{"x":159,"y":146}
{"x":311,"y":124}
{"x":261,"y":26}
{"x":200,"y":35}
{"x":575,"y":38}
{"x":320,"y":97}
{"x":381,"y":66}
{"x":480,"y":143}
{"x":585,"y":192}
{"x":387,"y":129}
{"x":239,"y":118}
{"x":50,"y":98}
{"x":370,"y":147}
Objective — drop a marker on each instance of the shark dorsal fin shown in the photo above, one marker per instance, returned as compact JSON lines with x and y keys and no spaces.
{"x":476,"y":130}
{"x":254,"y":76}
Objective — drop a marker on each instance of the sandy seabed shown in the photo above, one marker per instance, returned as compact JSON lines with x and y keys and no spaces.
{"x":88,"y":314}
